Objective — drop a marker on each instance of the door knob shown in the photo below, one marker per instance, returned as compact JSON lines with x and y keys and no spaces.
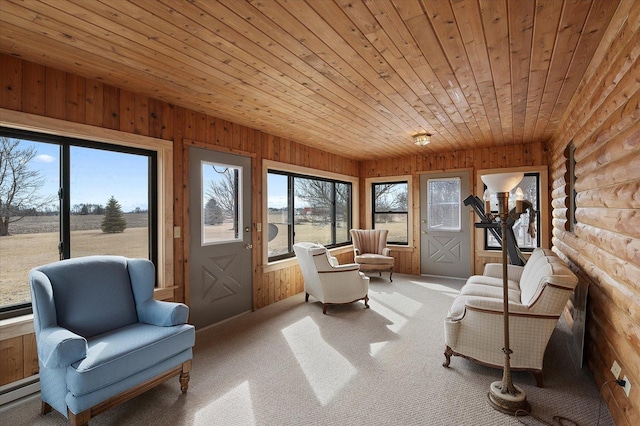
{"x":248,"y":246}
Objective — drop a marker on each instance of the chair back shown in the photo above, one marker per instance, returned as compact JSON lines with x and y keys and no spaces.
{"x":91,"y":295}
{"x":369,"y":240}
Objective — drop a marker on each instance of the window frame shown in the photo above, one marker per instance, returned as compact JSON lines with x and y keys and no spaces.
{"x":411,"y":226}
{"x":291,"y":177}
{"x":304,"y":172}
{"x":372,"y":186}
{"x":543,"y":213}
{"x":55,"y":128}
{"x":538,"y":229}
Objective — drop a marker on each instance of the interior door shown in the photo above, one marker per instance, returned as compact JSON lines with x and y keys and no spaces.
{"x":220,"y":236}
{"x":445,"y":236}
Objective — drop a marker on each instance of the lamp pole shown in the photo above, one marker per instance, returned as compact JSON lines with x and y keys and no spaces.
{"x":504,"y":396}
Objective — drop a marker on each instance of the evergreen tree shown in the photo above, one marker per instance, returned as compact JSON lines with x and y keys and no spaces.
{"x":114,"y":220}
{"x":213,"y":213}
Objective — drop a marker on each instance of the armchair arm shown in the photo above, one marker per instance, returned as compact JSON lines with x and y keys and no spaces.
{"x":342,"y":268}
{"x":164,"y":314}
{"x":386,"y":251}
{"x":514,"y":272}
{"x":59,"y":347}
{"x":491,"y":305}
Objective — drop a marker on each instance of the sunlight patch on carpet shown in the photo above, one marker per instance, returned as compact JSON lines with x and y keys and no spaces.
{"x":234,"y":407}
{"x":447,"y":291}
{"x":398,"y":321}
{"x":398,"y":302}
{"x":326,"y":370}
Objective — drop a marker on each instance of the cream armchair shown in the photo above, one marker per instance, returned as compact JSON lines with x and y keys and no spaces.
{"x":371,"y":252}
{"x":538,"y":293}
{"x":328,"y":281}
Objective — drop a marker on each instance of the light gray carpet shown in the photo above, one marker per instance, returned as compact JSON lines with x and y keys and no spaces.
{"x":288,"y":364}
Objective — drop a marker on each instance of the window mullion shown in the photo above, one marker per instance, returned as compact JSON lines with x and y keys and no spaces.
{"x":65,"y":201}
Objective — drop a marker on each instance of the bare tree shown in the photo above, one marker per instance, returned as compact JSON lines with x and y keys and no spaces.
{"x":19,"y":184}
{"x":223,"y":191}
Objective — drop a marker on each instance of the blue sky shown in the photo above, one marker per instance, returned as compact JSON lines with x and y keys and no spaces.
{"x":96,"y":175}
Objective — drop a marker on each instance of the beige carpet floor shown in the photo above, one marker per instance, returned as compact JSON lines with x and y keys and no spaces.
{"x":288,"y":364}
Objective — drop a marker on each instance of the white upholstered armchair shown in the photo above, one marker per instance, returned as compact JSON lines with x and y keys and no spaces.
{"x":328,"y":281}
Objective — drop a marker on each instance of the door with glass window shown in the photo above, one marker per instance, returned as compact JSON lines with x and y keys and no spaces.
{"x":445,"y":237}
{"x":220,"y":250}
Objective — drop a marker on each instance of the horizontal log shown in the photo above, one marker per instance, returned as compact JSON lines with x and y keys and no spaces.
{"x":612,"y":151}
{"x":623,"y":334}
{"x":625,"y":222}
{"x":559,"y":203}
{"x":625,"y":169}
{"x":626,"y":248}
{"x":612,"y":394}
{"x":623,"y":196}
{"x":607,"y":119}
{"x":559,"y":191}
{"x":623,"y":271}
{"x":622,"y":295}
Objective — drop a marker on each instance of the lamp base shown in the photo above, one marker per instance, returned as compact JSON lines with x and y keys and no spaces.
{"x":506,"y":403}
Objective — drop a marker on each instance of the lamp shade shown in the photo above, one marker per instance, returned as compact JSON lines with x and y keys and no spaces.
{"x":502,"y":182}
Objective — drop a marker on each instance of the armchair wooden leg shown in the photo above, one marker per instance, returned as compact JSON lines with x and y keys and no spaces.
{"x":538,"y":376}
{"x":447,"y":354}
{"x":391,"y":276}
{"x":306,"y":297}
{"x":324,"y":308}
{"x":185,"y":376}
{"x":46,"y":408}
{"x":366,"y":301}
{"x":80,"y":419}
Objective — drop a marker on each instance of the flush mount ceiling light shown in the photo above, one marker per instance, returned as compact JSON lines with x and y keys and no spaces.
{"x":422,"y":139}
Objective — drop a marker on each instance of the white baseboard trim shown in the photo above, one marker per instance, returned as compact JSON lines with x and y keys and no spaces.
{"x":19,"y":389}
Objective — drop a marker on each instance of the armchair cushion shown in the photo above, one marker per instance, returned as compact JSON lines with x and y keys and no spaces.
{"x":120,"y":353}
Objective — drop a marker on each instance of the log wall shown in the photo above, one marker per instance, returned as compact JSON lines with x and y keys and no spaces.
{"x":603,"y":124}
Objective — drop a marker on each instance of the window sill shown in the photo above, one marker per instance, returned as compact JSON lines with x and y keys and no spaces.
{"x":16,"y":327}
{"x":292,"y":261}
{"x":23,"y":325}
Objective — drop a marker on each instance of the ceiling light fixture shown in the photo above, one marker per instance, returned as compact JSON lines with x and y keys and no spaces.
{"x":422,"y":139}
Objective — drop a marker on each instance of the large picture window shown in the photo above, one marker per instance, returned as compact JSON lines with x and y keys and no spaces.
{"x":306,"y":208}
{"x":390,"y":210}
{"x":63,"y":198}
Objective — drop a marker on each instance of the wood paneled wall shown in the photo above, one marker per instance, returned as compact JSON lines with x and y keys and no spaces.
{"x":603,"y":124}
{"x":408,"y":261}
{"x":36,"y":89}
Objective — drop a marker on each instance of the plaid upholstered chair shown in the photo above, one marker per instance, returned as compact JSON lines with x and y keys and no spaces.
{"x":371,"y":251}
{"x":538,"y":293}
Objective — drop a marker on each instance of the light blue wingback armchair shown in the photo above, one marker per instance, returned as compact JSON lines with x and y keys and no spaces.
{"x":101,"y":337}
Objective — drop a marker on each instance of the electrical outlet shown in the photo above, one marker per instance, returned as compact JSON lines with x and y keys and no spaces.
{"x":615,"y":369}
{"x":627,"y":386}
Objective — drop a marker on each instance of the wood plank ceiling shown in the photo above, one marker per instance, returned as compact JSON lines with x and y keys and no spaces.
{"x":355,"y":77}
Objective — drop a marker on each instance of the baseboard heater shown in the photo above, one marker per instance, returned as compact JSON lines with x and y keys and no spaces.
{"x":19,"y":389}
